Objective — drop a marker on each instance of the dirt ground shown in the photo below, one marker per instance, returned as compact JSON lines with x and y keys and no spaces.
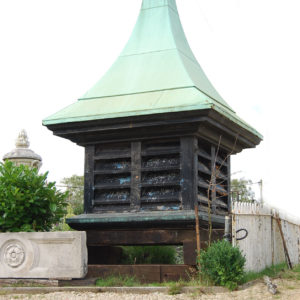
{"x":287,"y":289}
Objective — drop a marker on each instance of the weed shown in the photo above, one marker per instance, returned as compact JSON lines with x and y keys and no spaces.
{"x":117,"y":281}
{"x":2,"y":293}
{"x":175,"y":288}
{"x":271,"y":272}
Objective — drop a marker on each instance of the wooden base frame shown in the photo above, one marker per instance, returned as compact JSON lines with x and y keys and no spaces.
{"x":101,"y":242}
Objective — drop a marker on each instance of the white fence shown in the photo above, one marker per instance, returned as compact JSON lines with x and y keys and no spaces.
{"x":264,"y":244}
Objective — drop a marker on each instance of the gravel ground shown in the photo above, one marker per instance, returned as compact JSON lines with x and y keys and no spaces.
{"x":288,"y":289}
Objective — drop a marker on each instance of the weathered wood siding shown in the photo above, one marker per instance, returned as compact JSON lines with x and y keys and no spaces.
{"x":264,"y":246}
{"x":157,"y":175}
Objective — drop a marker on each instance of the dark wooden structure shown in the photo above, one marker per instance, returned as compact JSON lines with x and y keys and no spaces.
{"x":158,"y":140}
{"x":152,"y":183}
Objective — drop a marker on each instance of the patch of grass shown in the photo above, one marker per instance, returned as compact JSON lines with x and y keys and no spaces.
{"x":175,"y":288}
{"x":117,"y":281}
{"x":297,"y":269}
{"x":291,"y":274}
{"x":272,"y":272}
{"x":277,"y":271}
{"x":24,"y":284}
{"x":2,"y":293}
{"x":192,"y":282}
{"x":127,"y":281}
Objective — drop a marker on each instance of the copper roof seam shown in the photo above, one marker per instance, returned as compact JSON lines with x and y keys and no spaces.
{"x":159,"y":7}
{"x":144,"y":92}
{"x":189,"y":108}
{"x":143,"y":53}
{"x":191,"y":57}
{"x":228,"y":108}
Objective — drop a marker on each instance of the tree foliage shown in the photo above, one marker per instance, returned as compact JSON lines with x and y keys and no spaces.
{"x":27,"y":201}
{"x":241,"y":190}
{"x":74,"y":186}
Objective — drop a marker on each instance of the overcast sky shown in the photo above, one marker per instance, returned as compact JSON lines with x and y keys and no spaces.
{"x":52,"y":52}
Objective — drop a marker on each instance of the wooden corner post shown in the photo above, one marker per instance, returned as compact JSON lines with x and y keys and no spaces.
{"x":89,"y":178}
{"x":188,"y":163}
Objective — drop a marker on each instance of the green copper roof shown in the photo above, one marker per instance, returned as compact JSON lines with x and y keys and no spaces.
{"x":155,"y":73}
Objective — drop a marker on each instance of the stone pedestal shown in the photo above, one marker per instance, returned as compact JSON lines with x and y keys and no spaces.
{"x":53,"y":255}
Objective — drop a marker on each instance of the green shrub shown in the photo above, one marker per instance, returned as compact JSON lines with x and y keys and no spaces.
{"x":149,"y":255}
{"x":27,"y":201}
{"x":62,"y":225}
{"x":222,"y":264}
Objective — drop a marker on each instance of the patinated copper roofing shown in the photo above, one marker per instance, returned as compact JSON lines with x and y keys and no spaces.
{"x":155,"y":73}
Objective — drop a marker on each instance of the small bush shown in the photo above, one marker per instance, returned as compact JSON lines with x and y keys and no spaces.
{"x":27,"y":201}
{"x":222,"y":264}
{"x":149,"y":255}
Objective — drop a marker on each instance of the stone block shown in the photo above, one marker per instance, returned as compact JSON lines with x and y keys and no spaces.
{"x":55,"y":255}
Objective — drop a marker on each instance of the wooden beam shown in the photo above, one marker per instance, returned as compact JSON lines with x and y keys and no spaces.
{"x":148,"y":237}
{"x":89,"y":178}
{"x":144,"y":273}
{"x":190,"y":253}
{"x":135,"y":191}
{"x":213,"y":187}
{"x":286,"y":252}
{"x":197,"y":229}
{"x":139,"y":237}
{"x":189,"y":172}
{"x":229,"y":184}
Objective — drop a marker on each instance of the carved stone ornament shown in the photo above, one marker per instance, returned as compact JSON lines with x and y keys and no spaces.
{"x":39,"y":255}
{"x":14,"y":255}
{"x":22,"y":140}
{"x":22,"y":155}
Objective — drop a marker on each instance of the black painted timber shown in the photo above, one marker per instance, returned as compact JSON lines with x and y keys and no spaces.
{"x":189,"y":171}
{"x":89,"y":179}
{"x":213,"y":183}
{"x":151,"y":219}
{"x":229,"y":184}
{"x":135,"y":195}
{"x":205,"y":123}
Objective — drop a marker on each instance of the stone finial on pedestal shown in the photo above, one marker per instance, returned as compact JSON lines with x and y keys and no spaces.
{"x":22,"y":155}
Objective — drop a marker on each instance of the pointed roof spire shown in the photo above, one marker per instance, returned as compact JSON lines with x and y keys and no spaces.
{"x":156,"y":72}
{"x":157,"y":57}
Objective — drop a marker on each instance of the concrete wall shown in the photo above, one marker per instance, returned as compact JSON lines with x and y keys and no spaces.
{"x":263,"y":246}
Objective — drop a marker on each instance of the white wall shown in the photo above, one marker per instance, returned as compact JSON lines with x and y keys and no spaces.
{"x":263,"y":246}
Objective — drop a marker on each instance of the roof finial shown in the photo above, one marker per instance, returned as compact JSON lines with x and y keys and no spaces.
{"x":22,"y":140}
{"x":22,"y":155}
